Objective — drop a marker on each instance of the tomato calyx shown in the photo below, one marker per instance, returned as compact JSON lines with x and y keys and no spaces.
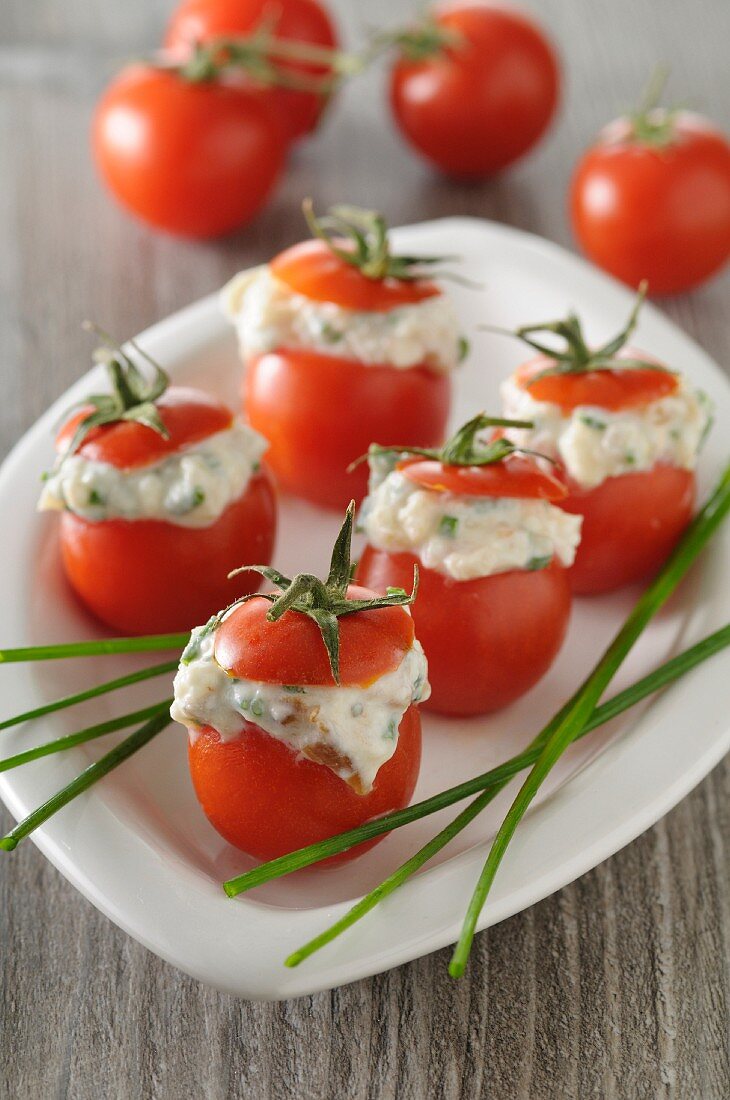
{"x":359,"y":238}
{"x":576,"y":357}
{"x":132,"y":396}
{"x":325,"y":602}
{"x":650,"y":123}
{"x":463,"y":448}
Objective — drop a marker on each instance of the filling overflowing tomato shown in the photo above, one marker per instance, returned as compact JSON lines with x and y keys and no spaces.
{"x":492,"y":549}
{"x":303,"y":722}
{"x":340,"y":315}
{"x":627,"y":433}
{"x":162,"y":493}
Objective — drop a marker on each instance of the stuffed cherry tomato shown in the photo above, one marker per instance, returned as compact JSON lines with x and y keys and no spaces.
{"x":299,"y":22}
{"x":492,"y":551}
{"x":299,"y":731}
{"x":627,"y":433}
{"x":342,"y":341}
{"x":162,"y":494}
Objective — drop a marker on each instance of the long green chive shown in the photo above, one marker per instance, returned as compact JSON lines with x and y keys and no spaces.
{"x":91,"y":693}
{"x":91,"y":775}
{"x":673,"y":669}
{"x":79,"y":738}
{"x":96,"y":648}
{"x":313,"y":853}
{"x":564,"y":728}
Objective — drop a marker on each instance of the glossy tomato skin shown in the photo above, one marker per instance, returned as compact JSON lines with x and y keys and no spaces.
{"x":195,"y":159}
{"x":488,"y":640}
{"x":661,"y":214}
{"x":149,"y":576}
{"x":320,"y":413}
{"x":480,"y":105}
{"x":631,"y":524}
{"x":267,"y":800}
{"x":306,"y":21}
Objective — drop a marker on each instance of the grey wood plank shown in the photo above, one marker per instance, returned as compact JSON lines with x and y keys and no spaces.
{"x":618,"y":986}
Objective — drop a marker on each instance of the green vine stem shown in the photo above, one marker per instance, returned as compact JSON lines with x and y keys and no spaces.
{"x":563,"y":729}
{"x":495,"y":777}
{"x":652,"y":124}
{"x":575,"y":356}
{"x":87,"y":778}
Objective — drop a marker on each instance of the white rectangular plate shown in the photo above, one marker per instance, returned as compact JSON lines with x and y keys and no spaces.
{"x":138,"y":845}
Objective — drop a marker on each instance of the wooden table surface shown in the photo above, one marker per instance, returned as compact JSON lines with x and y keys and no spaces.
{"x":615,"y":987}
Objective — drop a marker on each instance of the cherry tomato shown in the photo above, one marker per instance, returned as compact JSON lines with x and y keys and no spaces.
{"x":513,"y":477}
{"x":476,"y":105}
{"x":487,"y":640}
{"x":196,"y":159}
{"x":660,"y":212}
{"x":306,"y":21}
{"x":259,"y":794}
{"x":312,"y":269}
{"x":319,"y":413}
{"x":148,"y":576}
{"x":631,"y":523}
{"x":624,"y":388}
{"x":266,"y":800}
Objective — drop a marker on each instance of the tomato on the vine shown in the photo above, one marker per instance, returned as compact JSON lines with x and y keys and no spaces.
{"x":651,"y":200}
{"x":474,"y":87}
{"x":195,"y":158}
{"x":304,"y":21}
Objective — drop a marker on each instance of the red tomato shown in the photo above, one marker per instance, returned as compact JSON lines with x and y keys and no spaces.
{"x":258,"y":793}
{"x":306,"y":21}
{"x":145,"y":576}
{"x":623,"y":388}
{"x":631,"y":523}
{"x":149,"y":577}
{"x":475,"y":106}
{"x":512,"y":477}
{"x":312,"y":269}
{"x":655,"y":212}
{"x":291,"y":650}
{"x":197,"y":159}
{"x":267,"y":800}
{"x":320,"y":413}
{"x":487,"y":640}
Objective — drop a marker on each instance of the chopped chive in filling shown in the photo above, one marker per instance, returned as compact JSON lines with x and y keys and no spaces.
{"x":630,"y":458}
{"x":257,"y":707}
{"x":330,"y":334}
{"x":391,"y":731}
{"x":464,"y":347}
{"x":592,"y":422}
{"x":448,"y":526}
{"x":95,"y":497}
{"x":294,"y":689}
{"x":539,"y":562}
{"x":356,"y":710}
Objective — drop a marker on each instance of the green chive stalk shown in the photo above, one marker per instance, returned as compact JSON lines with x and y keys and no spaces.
{"x":662,"y":676}
{"x":88,"y":778}
{"x":91,"y":693}
{"x":494,"y":779}
{"x":564,"y":728}
{"x":98,"y":647}
{"x":61,"y":744}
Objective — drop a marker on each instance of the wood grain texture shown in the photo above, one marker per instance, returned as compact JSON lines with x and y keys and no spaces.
{"x":617,"y":986}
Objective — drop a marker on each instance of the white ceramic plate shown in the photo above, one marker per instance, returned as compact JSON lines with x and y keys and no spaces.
{"x":138,"y":845}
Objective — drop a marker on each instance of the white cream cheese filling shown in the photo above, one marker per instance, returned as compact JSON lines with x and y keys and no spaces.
{"x":351,"y":730}
{"x":466,"y":537}
{"x":594,"y":444}
{"x":191,"y":488}
{"x":268,"y":316}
